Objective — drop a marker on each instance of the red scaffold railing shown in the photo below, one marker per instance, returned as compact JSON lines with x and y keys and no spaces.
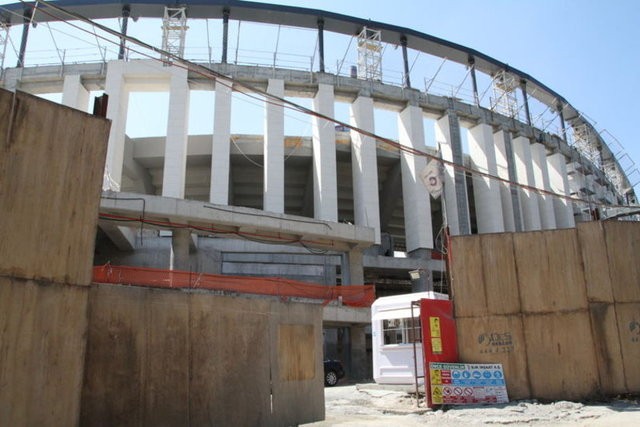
{"x":351,"y":295}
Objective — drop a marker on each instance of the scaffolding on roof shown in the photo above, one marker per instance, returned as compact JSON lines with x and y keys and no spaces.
{"x":370,"y":54}
{"x":174,"y":30}
{"x":504,"y":99}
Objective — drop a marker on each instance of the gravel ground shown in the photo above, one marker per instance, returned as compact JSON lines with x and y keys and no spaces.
{"x":370,"y":405}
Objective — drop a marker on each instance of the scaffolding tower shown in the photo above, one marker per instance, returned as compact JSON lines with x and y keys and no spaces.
{"x":174,"y":30}
{"x":586,"y":143}
{"x":504,"y":99}
{"x":370,"y":54}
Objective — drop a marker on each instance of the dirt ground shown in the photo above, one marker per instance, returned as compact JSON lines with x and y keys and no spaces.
{"x":369,"y":405}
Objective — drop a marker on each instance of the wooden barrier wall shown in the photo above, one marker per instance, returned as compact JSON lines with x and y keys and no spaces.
{"x":559,"y":309}
{"x":51,"y":163}
{"x":166,"y":357}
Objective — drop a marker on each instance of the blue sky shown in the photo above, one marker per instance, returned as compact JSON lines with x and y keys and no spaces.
{"x":586,"y":50}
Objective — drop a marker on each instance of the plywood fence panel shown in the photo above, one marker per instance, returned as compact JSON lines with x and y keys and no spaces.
{"x":298,"y":384}
{"x":534,"y":278}
{"x":566,"y":290}
{"x":166,"y":373}
{"x":42,"y":343}
{"x":468,"y":287}
{"x":560,"y":355}
{"x":230,"y":359}
{"x":623,"y":247}
{"x":604,"y":326}
{"x":116,"y":357}
{"x":53,"y":157}
{"x":497,"y":339}
{"x":595,"y":261}
{"x":500,"y":277}
{"x":628,"y":315}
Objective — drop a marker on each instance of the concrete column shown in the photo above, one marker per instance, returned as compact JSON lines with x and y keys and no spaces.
{"x":416,"y":199}
{"x":117,"y":113}
{"x":541,"y":176}
{"x":364,"y":167}
{"x":559,"y":181}
{"x":219,"y":192}
{"x":424,"y":282}
{"x":524,"y":172}
{"x":358,"y":353}
{"x":508,"y":193}
{"x":486,"y":191}
{"x":175,"y":152}
{"x":180,"y":240}
{"x":274,"y":150}
{"x":74,"y":94}
{"x":352,"y":268}
{"x":325,"y":187}
{"x":455,"y":199}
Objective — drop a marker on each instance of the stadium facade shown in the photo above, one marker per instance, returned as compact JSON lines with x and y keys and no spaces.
{"x":339,"y":205}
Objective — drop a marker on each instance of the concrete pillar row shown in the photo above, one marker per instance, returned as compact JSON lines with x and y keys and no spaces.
{"x":364,"y":167}
{"x":559,"y":182}
{"x":117,"y":113}
{"x":274,"y":149}
{"x":416,"y":198}
{"x":220,"y":158}
{"x":524,"y":173}
{"x":541,"y":176}
{"x":175,"y":153}
{"x":74,"y":94}
{"x":456,"y":207}
{"x":488,"y":199}
{"x":325,"y":186}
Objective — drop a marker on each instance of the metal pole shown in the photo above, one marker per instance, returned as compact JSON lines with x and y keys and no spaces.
{"x":126,"y":11}
{"x":405,"y":59}
{"x":474,"y":82}
{"x":562,"y":124}
{"x":523,"y":87}
{"x":225,"y":33}
{"x":26,"y":17}
{"x":321,"y":44}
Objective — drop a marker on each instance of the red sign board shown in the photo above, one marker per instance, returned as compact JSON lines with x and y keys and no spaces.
{"x":439,"y":340}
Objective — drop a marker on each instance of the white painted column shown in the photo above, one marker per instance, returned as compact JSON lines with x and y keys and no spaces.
{"x":74,"y":94}
{"x":501,"y":139}
{"x":417,"y":202}
{"x":541,"y":176}
{"x":175,"y":151}
{"x":325,"y":186}
{"x":486,"y":191}
{"x":117,"y":113}
{"x":220,"y":157}
{"x":447,"y":133}
{"x":364,"y":166}
{"x":274,"y":149}
{"x":524,"y":172}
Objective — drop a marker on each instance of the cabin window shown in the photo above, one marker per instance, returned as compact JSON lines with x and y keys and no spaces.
{"x":401,"y":331}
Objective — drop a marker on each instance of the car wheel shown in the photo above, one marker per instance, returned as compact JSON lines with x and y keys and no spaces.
{"x":330,"y":379}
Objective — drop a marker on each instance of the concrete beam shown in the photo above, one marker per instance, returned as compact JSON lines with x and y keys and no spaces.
{"x":228,"y":219}
{"x":124,"y":238}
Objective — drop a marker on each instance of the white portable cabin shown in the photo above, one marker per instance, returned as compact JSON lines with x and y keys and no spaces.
{"x":392,"y":335}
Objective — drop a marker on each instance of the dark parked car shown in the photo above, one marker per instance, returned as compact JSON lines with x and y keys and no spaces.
{"x":333,"y":371}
